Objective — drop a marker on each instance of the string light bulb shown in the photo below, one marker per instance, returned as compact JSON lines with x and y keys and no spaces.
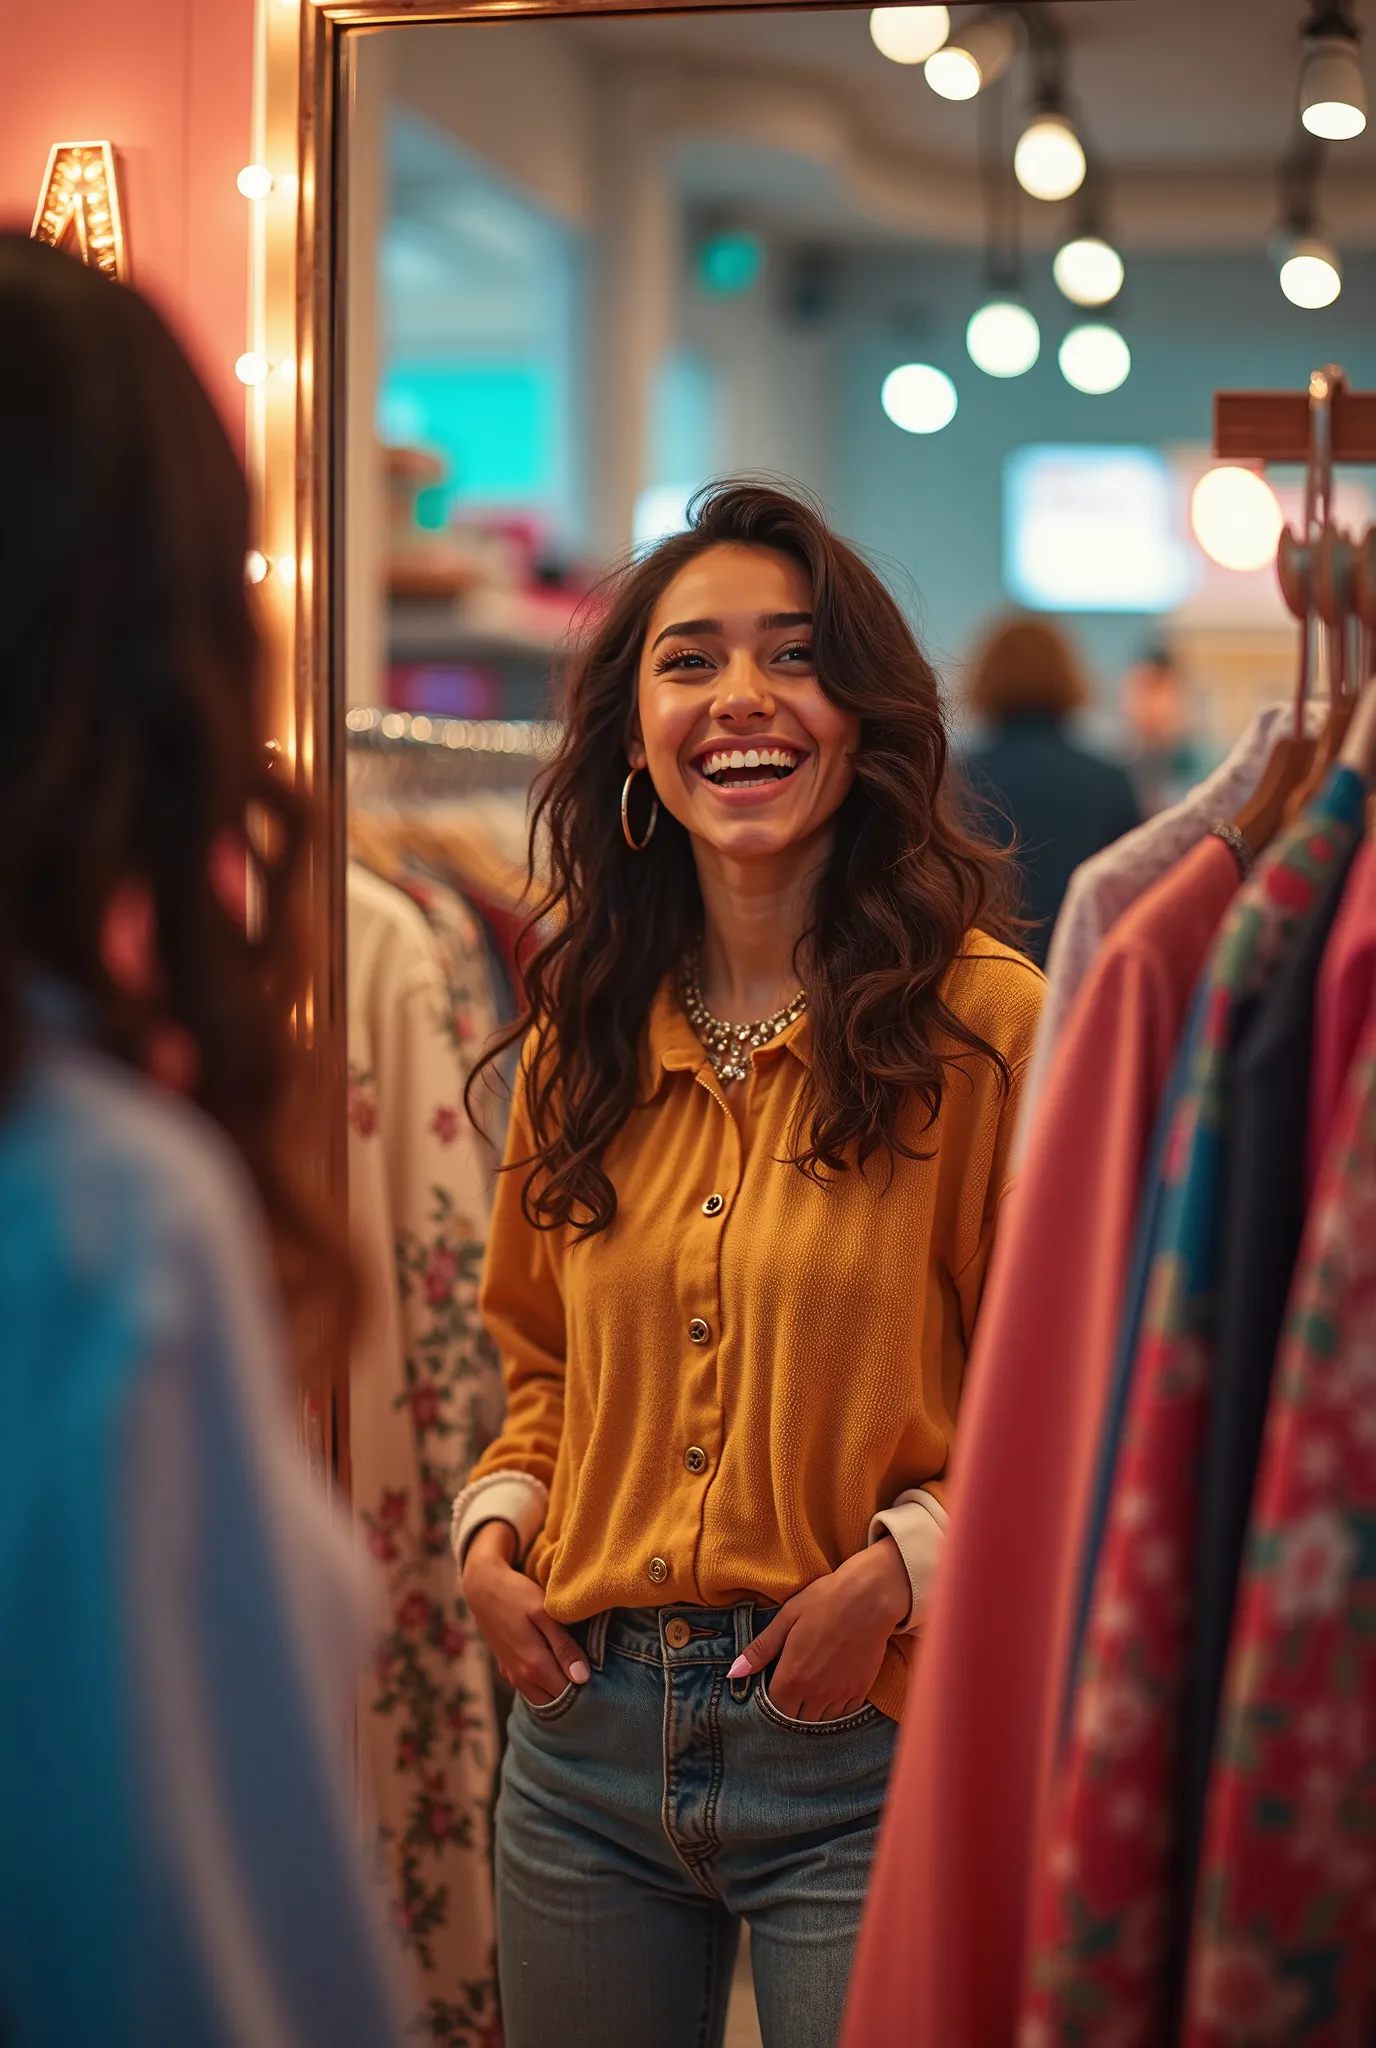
{"x":1311,"y":274}
{"x":1095,"y":359}
{"x":255,"y":565}
{"x":1003,"y":339}
{"x":255,"y":181}
{"x":974,"y":58}
{"x":919,"y":398}
{"x":1088,"y":271}
{"x":252,"y":367}
{"x":909,"y":35}
{"x":1332,"y":90}
{"x":1049,"y":161}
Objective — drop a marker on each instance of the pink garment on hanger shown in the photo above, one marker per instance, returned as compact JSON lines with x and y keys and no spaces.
{"x":1347,"y":982}
{"x":940,"y":1957}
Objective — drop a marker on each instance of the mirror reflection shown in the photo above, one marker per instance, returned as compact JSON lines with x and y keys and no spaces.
{"x":816,"y":705}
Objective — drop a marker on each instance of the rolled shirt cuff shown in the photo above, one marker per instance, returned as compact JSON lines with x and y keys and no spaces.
{"x":917,"y":1522}
{"x":515,"y":1497}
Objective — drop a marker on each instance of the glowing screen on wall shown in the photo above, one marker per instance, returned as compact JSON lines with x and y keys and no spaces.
{"x":1093,"y":530}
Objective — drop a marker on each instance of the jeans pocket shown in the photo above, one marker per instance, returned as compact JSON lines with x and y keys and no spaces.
{"x":861,"y":1719}
{"x":555,"y":1709}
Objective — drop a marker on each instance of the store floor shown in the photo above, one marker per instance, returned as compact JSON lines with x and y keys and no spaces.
{"x":742,"y":2024}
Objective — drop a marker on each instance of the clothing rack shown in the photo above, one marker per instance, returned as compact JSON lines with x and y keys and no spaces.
{"x":436,"y":758}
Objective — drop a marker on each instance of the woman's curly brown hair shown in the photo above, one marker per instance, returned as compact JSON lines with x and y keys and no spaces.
{"x":129,"y":675}
{"x":904,"y":883}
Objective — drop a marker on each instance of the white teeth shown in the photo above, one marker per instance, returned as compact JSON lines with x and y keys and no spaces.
{"x":753,"y":757}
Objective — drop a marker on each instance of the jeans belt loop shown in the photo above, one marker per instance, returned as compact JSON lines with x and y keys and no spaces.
{"x":745,"y":1619}
{"x":595,"y":1642}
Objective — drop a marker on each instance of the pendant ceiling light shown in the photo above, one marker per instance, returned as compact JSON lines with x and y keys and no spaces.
{"x":1088,"y":270}
{"x":973,"y":58}
{"x":1332,"y":90}
{"x":909,"y":35}
{"x":1003,"y":338}
{"x":1311,"y":274}
{"x":1095,"y":359}
{"x":1050,"y":158}
{"x":919,"y":398}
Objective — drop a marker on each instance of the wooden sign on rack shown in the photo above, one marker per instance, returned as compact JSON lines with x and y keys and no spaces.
{"x":1273,"y":426}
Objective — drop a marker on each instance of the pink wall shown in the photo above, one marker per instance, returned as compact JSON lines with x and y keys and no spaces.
{"x":170,"y":83}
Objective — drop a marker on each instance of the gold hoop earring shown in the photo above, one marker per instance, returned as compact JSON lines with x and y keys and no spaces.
{"x":637,"y":845}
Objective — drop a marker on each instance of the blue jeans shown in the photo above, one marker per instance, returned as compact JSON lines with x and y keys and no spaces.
{"x":645,"y":1814}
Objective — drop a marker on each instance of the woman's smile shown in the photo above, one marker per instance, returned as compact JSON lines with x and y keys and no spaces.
{"x":756,"y":773}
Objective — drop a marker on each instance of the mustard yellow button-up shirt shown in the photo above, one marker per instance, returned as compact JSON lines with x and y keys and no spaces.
{"x":720,"y":1390}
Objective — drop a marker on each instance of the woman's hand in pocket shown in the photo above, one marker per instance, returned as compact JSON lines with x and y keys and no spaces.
{"x":532,"y":1652}
{"x":830,"y":1638}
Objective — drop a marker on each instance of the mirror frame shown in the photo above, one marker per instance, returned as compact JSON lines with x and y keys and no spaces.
{"x":303,"y":88}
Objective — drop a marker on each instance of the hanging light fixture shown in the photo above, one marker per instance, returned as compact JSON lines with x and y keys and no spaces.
{"x":1095,"y":359}
{"x":1332,"y":90}
{"x":1311,"y":274}
{"x":909,"y":35}
{"x":919,"y":398}
{"x":1049,"y":159}
{"x":972,"y":59}
{"x":1003,"y":338}
{"x":1088,"y":270}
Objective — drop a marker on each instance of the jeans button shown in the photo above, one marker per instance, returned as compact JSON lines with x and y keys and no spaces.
{"x":677,"y":1633}
{"x":695,"y":1458}
{"x":659,"y":1571}
{"x":698,"y":1331}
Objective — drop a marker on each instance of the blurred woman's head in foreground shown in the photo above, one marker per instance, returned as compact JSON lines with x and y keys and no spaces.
{"x":132,"y":772}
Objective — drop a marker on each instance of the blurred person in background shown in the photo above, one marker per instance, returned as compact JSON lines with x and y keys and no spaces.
{"x":181,"y":1611}
{"x":1166,"y":755}
{"x":1052,"y":802}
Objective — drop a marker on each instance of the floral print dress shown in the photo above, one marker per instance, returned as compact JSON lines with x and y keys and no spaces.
{"x":1285,"y":1926}
{"x":424,"y":1400}
{"x":1097,"y":1976}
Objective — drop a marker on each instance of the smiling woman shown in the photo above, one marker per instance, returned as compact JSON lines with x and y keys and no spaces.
{"x":758,"y":1146}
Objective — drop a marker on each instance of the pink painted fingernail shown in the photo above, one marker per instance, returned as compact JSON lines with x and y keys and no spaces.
{"x":579,"y":1672}
{"x":741,"y":1668}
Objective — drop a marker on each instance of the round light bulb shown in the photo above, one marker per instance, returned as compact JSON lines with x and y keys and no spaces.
{"x":254,"y":181}
{"x":1003,"y":338}
{"x":252,"y":367}
{"x":909,"y":35}
{"x":1332,"y":90}
{"x":1089,"y":271}
{"x":975,"y":59}
{"x":1049,"y":160}
{"x":1236,"y":518}
{"x":918,"y":398}
{"x":255,"y":566}
{"x":953,"y":75}
{"x":1311,"y":275}
{"x":1094,"y":359}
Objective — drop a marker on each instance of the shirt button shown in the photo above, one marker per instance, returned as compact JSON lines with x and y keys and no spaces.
{"x":698,"y":1330}
{"x":695,"y":1458}
{"x":714,"y":1205}
{"x":659,"y":1571}
{"x":678,"y":1633}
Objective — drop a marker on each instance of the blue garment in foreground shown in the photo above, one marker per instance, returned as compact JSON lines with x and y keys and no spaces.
{"x":180,"y":1613}
{"x":643,"y":1814}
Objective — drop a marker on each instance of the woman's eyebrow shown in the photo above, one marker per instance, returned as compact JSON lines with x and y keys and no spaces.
{"x":769,"y":622}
